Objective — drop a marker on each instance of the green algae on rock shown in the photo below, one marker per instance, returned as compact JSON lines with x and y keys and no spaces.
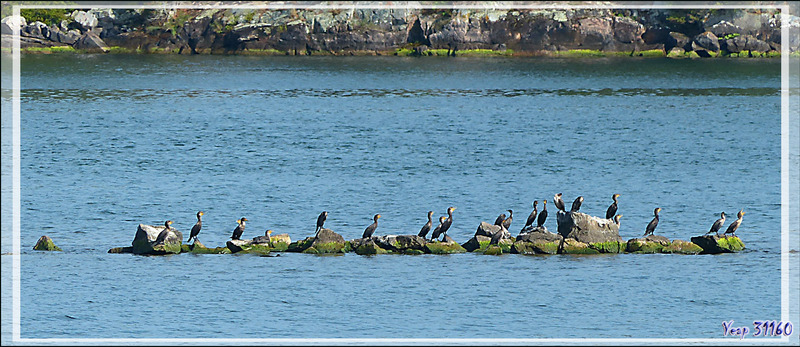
{"x":572,"y":246}
{"x":682,"y":247}
{"x":713,"y":244}
{"x":437,"y":247}
{"x":45,"y":243}
{"x":150,"y":240}
{"x":120,"y":250}
{"x":650,"y":244}
{"x":608,"y":246}
{"x":326,"y":241}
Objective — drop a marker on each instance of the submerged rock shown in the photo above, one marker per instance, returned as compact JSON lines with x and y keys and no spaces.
{"x":585,"y":228}
{"x":649,"y":244}
{"x":45,"y":243}
{"x":149,"y":239}
{"x":713,"y":244}
{"x":119,"y":250}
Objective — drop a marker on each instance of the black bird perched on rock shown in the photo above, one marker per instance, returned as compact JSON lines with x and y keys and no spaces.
{"x":559,"y":203}
{"x":269,"y":238}
{"x":507,"y":221}
{"x":532,"y":216}
{"x":576,"y":205}
{"x":237,"y":233}
{"x":371,"y":228}
{"x":735,"y":225}
{"x":717,"y":224}
{"x":321,"y":221}
{"x":196,"y":228}
{"x":496,"y":237}
{"x":427,"y":227}
{"x":616,"y":218}
{"x":651,"y":227}
{"x":500,"y":219}
{"x":542,"y":215}
{"x":612,"y":210}
{"x":448,"y":221}
{"x":438,"y":231}
{"x":163,"y":234}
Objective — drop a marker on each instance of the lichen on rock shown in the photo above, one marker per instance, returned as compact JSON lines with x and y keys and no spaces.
{"x":45,"y":243}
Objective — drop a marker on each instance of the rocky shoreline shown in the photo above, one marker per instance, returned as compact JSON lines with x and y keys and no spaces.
{"x":407,"y":32}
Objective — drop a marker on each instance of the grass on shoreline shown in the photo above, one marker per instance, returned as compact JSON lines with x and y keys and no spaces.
{"x":405,"y":52}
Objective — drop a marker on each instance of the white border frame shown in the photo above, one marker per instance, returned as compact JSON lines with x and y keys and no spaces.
{"x":785,"y":201}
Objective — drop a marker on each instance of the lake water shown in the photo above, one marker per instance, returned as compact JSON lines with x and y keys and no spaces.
{"x":111,"y":141}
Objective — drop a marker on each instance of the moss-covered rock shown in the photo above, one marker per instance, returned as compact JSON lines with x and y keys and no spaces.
{"x":713,"y":244}
{"x":413,"y":251}
{"x":572,"y":246}
{"x":45,"y":243}
{"x":156,"y":240}
{"x":493,"y":250}
{"x":682,"y":247}
{"x":329,"y":247}
{"x":648,"y":245}
{"x":325,"y":242}
{"x":119,"y":250}
{"x":477,"y":243}
{"x":437,"y":247}
{"x":368,"y":247}
{"x":609,"y":246}
{"x":300,"y":245}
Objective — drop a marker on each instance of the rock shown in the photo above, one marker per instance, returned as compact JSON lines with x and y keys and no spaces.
{"x":477,"y":242}
{"x":493,"y":250}
{"x":198,"y":248}
{"x":682,"y":247}
{"x":325,"y":242}
{"x":572,"y":246}
{"x":585,"y":228}
{"x":401,"y":243}
{"x":502,"y":246}
{"x":677,"y":40}
{"x":706,"y":44}
{"x":69,"y":37}
{"x":713,"y":244}
{"x":86,"y":19}
{"x":367,"y":246}
{"x":724,"y":28}
{"x":533,"y":229}
{"x":247,"y":247}
{"x":149,"y":239}
{"x":121,"y":250}
{"x":91,"y":43}
{"x":486,"y":229}
{"x":37,"y":30}
{"x":649,"y":244}
{"x":437,"y":247}
{"x":676,"y":53}
{"x":45,"y":243}
{"x":538,"y":241}
{"x":10,"y":23}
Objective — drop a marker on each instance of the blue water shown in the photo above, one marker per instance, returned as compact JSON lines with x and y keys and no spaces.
{"x":111,"y":141}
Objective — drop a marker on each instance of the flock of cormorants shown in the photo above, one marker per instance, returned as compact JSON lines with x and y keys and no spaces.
{"x":502,"y":220}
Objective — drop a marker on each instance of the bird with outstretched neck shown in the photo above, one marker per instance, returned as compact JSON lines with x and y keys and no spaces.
{"x":427,"y":227}
{"x":531,"y":217}
{"x":612,"y":210}
{"x":447,"y":222}
{"x":735,"y":225}
{"x":321,"y":221}
{"x":371,"y":228}
{"x":542,"y":215}
{"x":651,"y":227}
{"x":196,"y":228}
{"x":717,"y":224}
{"x":237,"y":233}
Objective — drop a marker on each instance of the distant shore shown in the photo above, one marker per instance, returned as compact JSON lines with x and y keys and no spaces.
{"x":472,"y":32}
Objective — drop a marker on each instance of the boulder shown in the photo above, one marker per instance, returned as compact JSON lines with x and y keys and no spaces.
{"x":10,"y":23}
{"x":649,"y":244}
{"x":585,"y":228}
{"x":151,"y":239}
{"x":477,"y":242}
{"x":713,"y":244}
{"x":280,"y":242}
{"x":706,"y":44}
{"x":449,"y":247}
{"x":366,"y":246}
{"x":45,"y":243}
{"x":486,"y":229}
{"x":401,"y":243}
{"x":724,"y":28}
{"x":37,"y":30}
{"x":91,"y":43}
{"x":86,"y":19}
{"x":682,"y":247}
{"x":572,"y":246}
{"x":502,"y":246}
{"x":533,"y":229}
{"x":677,"y":40}
{"x":326,"y":241}
{"x":538,"y":241}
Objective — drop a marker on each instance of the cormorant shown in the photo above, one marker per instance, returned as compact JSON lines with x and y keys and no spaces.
{"x":576,"y":205}
{"x":237,"y":233}
{"x":718,"y":224}
{"x":448,"y":221}
{"x":507,"y":221}
{"x":651,"y":227}
{"x":735,"y":225}
{"x":500,"y":219}
{"x":542,"y":215}
{"x":496,"y":237}
{"x":612,"y":210}
{"x":371,"y":228}
{"x":269,"y":239}
{"x":438,"y":231}
{"x":196,"y":228}
{"x":163,"y":234}
{"x":559,"y":203}
{"x":427,"y":227}
{"x":321,"y":221}
{"x":532,"y":216}
{"x":616,"y":218}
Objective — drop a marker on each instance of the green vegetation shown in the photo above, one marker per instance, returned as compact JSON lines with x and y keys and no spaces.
{"x":580,"y":53}
{"x":48,"y":50}
{"x":269,"y":51}
{"x":641,"y":246}
{"x":176,"y":21}
{"x":49,"y":16}
{"x":46,"y":244}
{"x":444,"y":247}
{"x":730,"y":36}
{"x":609,"y":247}
{"x":682,"y":247}
{"x":731,"y":243}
